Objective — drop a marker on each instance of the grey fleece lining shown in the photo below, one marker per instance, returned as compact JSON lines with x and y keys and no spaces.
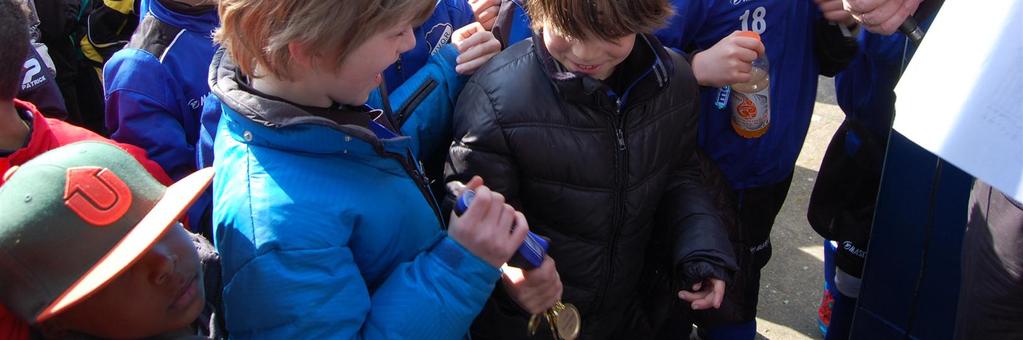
{"x":270,"y":113}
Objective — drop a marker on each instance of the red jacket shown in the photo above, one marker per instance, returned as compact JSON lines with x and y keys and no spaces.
{"x":49,"y":134}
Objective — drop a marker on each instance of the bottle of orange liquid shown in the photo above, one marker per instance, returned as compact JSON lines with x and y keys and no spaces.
{"x":751,"y":101}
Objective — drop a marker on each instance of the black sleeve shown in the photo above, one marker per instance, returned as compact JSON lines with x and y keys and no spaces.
{"x":39,"y":86}
{"x":691,"y":220}
{"x":503,"y":25}
{"x":834,"y":49}
{"x":480,"y":148}
{"x":58,"y":23}
{"x":701,"y":248}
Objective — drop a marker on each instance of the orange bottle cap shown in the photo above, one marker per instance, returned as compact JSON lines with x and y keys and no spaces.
{"x":750,"y":34}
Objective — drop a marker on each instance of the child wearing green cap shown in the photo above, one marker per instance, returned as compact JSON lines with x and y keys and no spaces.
{"x":93,"y":247}
{"x":25,"y":133}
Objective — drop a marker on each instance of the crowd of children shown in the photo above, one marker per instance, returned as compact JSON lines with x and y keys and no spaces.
{"x":340,"y":135}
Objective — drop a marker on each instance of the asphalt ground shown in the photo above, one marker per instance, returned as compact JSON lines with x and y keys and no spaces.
{"x":792,"y":282}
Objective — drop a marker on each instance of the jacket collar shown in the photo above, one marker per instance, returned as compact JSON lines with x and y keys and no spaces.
{"x":224,"y":81}
{"x":202,"y":19}
{"x":648,"y":71}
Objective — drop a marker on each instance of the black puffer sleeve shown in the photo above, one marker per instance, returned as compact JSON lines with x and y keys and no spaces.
{"x":688,"y":217}
{"x":701,"y":248}
{"x":480,"y":147}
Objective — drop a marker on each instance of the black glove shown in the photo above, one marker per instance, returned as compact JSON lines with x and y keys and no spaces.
{"x":691,"y":272}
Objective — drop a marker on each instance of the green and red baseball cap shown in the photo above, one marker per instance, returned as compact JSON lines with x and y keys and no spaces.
{"x":76,"y":217}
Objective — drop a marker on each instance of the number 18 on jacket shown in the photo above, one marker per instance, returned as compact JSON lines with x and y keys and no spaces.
{"x":533,"y":249}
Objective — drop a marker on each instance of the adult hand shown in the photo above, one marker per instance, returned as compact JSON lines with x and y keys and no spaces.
{"x":485,"y":12}
{"x":728,"y":62}
{"x":475,"y":46}
{"x":835,"y":12}
{"x":706,"y":294}
{"x":535,"y":290}
{"x":881,"y":16}
{"x":485,"y":229}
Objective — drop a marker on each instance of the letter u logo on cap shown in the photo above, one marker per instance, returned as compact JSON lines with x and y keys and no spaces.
{"x":97,"y":195}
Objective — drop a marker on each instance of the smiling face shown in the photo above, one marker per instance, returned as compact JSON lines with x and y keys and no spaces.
{"x":593,"y":56}
{"x":160,"y":293}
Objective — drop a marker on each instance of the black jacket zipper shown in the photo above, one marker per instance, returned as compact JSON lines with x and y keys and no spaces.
{"x":621,"y":174}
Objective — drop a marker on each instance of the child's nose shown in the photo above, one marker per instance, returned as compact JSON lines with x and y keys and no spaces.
{"x":160,"y":262}
{"x":584,"y":51}
{"x":409,"y":42}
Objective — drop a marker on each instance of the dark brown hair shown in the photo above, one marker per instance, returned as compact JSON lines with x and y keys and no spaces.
{"x":14,"y":36}
{"x":600,"y":19}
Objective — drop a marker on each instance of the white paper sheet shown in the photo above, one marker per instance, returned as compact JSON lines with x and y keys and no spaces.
{"x":961,"y":96}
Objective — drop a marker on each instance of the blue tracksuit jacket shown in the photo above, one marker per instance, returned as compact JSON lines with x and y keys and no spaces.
{"x":155,"y":87}
{"x":434,"y":33}
{"x":787,"y":29}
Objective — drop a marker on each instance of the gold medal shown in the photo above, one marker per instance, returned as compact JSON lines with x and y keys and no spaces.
{"x":534,"y":324}
{"x":563,"y":319}
{"x":551,"y":317}
{"x":566,"y":320}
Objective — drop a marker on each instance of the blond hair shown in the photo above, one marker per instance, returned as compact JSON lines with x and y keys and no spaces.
{"x":257,"y":32}
{"x":601,"y":19}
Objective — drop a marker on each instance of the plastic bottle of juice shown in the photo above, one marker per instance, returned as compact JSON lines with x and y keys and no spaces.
{"x":751,"y":101}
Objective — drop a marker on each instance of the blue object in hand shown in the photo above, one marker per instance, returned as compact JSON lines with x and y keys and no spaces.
{"x":533,"y":249}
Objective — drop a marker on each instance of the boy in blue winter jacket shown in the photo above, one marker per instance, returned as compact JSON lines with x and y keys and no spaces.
{"x":325,"y":224}
{"x":758,"y":169}
{"x":427,"y":78}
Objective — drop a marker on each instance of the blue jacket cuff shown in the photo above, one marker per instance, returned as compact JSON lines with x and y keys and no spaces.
{"x":449,"y":54}
{"x":464,"y":263}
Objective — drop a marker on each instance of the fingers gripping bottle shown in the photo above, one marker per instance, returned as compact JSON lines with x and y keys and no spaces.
{"x":533,"y":249}
{"x":751,"y":101}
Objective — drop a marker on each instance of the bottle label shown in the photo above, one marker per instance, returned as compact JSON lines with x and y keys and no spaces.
{"x":751,"y":111}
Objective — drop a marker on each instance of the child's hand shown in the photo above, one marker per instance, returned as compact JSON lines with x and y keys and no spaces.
{"x":727,"y":62}
{"x":535,"y":290}
{"x":486,"y":12}
{"x":486,"y":227}
{"x":706,"y":294}
{"x":475,"y":46}
{"x":834,"y":11}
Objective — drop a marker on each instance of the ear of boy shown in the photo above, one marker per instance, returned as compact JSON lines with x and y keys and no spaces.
{"x":303,"y":64}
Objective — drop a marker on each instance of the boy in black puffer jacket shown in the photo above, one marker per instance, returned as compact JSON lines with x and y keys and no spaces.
{"x":589,"y":128}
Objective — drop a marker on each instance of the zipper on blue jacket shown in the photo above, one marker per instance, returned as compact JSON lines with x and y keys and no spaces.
{"x":417,"y":176}
{"x":413,"y":102}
